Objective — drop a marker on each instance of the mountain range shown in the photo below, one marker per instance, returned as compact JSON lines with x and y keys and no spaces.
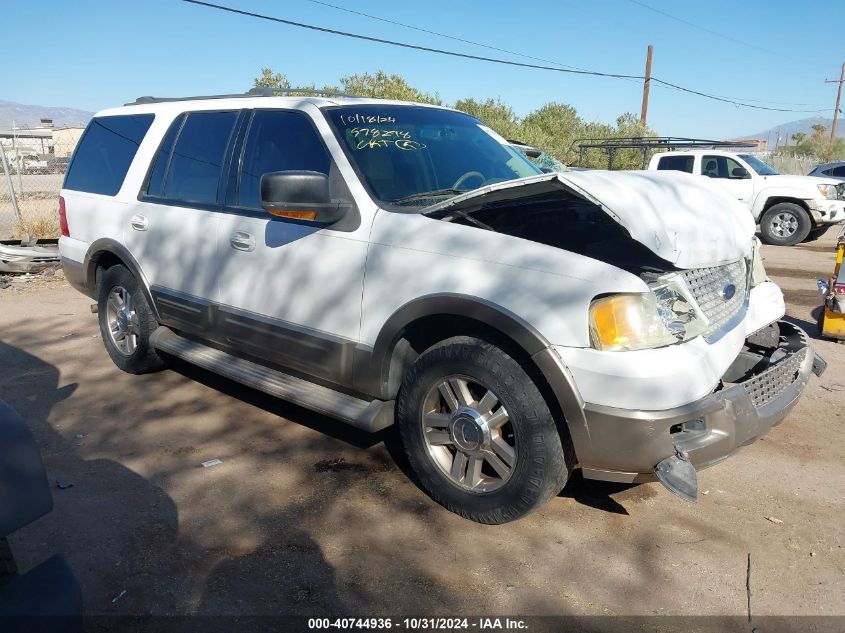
{"x":802,"y":125}
{"x":28,"y":116}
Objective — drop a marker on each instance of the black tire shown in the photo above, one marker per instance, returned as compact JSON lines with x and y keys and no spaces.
{"x":543,"y":453}
{"x":142,"y":358}
{"x":816,"y":232}
{"x":771,"y":224}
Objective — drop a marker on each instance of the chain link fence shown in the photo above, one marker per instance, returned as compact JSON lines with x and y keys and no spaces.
{"x":792,"y":164}
{"x":30,"y":182}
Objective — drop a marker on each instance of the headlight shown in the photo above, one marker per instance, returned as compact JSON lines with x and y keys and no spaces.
{"x":828,"y":191}
{"x":664,"y":316}
{"x":758,"y":273}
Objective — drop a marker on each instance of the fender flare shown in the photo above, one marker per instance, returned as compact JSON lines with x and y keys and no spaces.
{"x":107,"y":245}
{"x":535,"y":345}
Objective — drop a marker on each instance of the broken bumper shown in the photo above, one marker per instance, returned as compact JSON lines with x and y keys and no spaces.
{"x":828,"y":211}
{"x":26,"y":259}
{"x":757,"y":393}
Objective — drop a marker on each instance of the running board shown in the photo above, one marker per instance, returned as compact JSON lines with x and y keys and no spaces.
{"x":369,"y":416}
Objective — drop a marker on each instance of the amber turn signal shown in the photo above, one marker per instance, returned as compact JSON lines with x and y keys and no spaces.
{"x":296,"y":215}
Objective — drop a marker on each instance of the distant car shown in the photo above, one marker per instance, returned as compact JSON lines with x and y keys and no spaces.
{"x":57,"y":165}
{"x":835,"y":169}
{"x":35,"y":166}
{"x":545,"y":161}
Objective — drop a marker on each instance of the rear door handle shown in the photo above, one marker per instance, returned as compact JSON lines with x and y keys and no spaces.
{"x":242,"y":241}
{"x":139,"y":222}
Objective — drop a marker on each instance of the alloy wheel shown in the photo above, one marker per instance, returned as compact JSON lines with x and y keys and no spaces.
{"x":469,"y":434}
{"x":122,"y":320}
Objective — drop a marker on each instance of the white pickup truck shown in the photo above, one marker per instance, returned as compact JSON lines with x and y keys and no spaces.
{"x":789,"y":209}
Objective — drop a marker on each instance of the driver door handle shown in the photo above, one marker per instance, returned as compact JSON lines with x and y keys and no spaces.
{"x":139,"y":222}
{"x":242,"y":241}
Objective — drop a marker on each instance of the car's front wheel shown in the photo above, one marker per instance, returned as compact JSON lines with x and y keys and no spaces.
{"x":126,"y":322}
{"x":478,"y":433}
{"x":785,"y":224}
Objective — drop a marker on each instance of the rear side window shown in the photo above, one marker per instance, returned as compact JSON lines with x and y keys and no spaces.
{"x":278,"y":141}
{"x":676,"y":163}
{"x":105,"y":152}
{"x":836,"y":171}
{"x":192,"y":172}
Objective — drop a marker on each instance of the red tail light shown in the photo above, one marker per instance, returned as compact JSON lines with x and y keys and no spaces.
{"x":63,"y":217}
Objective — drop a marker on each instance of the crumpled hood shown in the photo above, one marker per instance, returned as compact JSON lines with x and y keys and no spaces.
{"x":684,"y":219}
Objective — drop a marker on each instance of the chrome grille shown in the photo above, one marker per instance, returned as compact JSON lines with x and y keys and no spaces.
{"x":767,"y":386}
{"x":707,"y":287}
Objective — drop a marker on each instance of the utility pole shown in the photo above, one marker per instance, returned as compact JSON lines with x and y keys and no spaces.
{"x":647,"y":83}
{"x":838,"y":99}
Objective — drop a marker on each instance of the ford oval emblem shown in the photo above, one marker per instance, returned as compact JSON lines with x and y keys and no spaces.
{"x":728,"y":292}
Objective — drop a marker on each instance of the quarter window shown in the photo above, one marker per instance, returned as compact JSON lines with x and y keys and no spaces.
{"x":278,"y":141}
{"x":105,"y":153}
{"x":676,"y":163}
{"x":194,"y":171}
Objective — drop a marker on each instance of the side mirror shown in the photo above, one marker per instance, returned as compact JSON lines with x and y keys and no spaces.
{"x":740,"y":172}
{"x":301,"y":195}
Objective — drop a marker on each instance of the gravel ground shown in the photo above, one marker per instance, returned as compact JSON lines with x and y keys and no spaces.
{"x":305,"y":516}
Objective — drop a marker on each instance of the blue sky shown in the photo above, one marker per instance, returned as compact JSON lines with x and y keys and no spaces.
{"x":95,"y":54}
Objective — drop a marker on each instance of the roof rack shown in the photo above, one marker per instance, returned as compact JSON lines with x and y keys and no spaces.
{"x":648,"y":144}
{"x":252,"y":92}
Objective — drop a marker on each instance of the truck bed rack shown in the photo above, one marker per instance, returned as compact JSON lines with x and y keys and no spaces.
{"x":649,"y":144}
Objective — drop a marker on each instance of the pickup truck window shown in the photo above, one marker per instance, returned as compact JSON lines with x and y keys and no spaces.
{"x":676,"y":163}
{"x":763,"y":169}
{"x":720,"y":167}
{"x":415,"y":155}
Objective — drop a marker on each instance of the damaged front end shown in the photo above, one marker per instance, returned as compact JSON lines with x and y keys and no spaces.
{"x":694,"y":250}
{"x":755,"y":393}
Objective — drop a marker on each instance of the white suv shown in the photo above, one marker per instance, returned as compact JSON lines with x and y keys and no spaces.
{"x":383,"y":262}
{"x":789,"y":209}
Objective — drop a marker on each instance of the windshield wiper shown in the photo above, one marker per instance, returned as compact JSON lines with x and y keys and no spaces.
{"x":428,"y":194}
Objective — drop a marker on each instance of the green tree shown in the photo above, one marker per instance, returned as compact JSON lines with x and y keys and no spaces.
{"x":269,"y":79}
{"x":384,"y":86}
{"x":798,"y":138}
{"x":553,"y":127}
{"x":494,"y":113}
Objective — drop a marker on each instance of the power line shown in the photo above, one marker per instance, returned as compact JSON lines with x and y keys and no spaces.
{"x":698,"y":26}
{"x":427,"y":49}
{"x":451,"y":37}
{"x":518,"y":54}
{"x":482,"y":58}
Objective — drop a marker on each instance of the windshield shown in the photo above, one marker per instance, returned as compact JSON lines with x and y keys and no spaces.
{"x":416,"y":156}
{"x":758,"y":165}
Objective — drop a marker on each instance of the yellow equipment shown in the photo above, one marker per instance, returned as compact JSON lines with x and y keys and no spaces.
{"x":832,"y":315}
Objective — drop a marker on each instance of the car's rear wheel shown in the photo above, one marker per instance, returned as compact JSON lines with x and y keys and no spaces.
{"x":785,"y":224}
{"x":126,"y":322}
{"x":478,"y":433}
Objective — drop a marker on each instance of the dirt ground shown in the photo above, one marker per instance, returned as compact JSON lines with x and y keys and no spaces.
{"x":305,"y":516}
